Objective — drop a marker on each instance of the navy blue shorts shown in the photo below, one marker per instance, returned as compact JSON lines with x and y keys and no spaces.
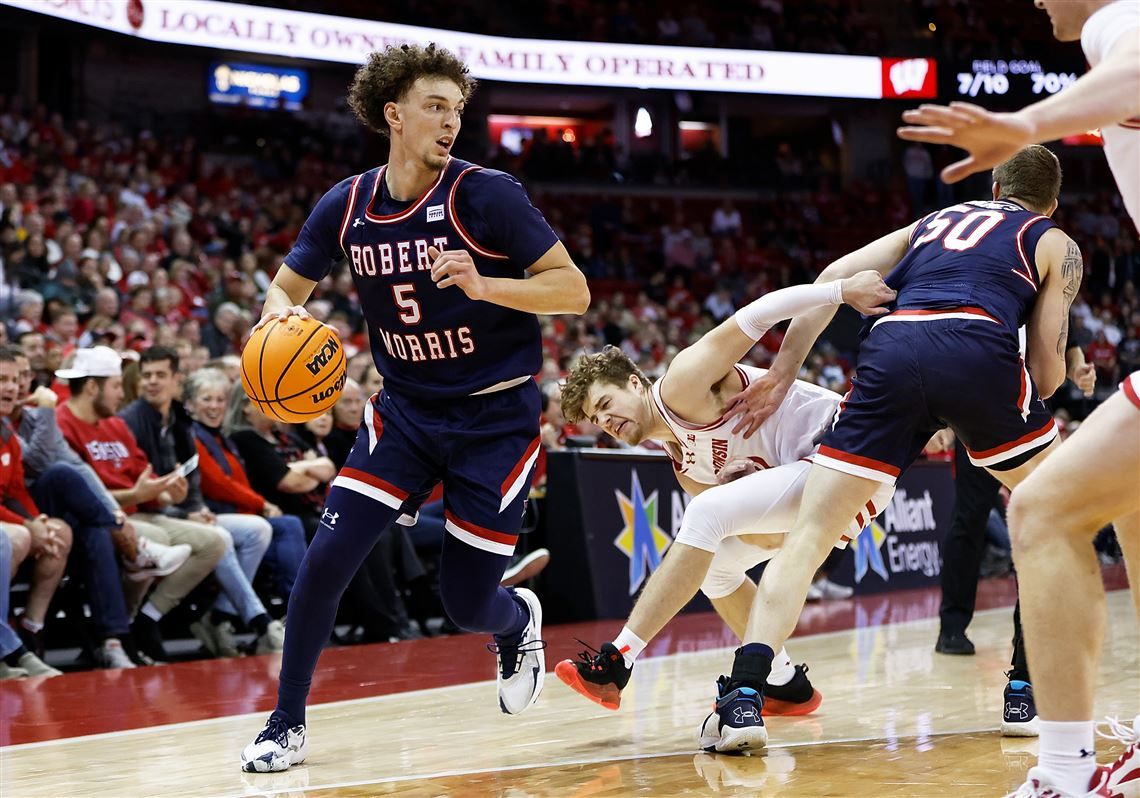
{"x":920,"y":371}
{"x":482,"y":448}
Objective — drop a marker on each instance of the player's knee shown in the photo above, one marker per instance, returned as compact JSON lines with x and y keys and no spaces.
{"x":723,"y":579}
{"x":1032,"y":514}
{"x":468,"y":612}
{"x":702,"y":527}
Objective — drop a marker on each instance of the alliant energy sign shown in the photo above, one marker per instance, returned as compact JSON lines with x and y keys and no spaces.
{"x":256,"y":29}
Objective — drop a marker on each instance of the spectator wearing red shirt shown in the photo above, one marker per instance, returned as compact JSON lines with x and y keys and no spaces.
{"x":1102,"y":354}
{"x":105,"y":442}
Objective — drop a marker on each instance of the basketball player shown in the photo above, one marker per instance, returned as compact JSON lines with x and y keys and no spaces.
{"x":684,"y":410}
{"x":1093,"y":479}
{"x":438,"y":249}
{"x":968,"y":276}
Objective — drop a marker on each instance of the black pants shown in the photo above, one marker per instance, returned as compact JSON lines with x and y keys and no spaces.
{"x":976,"y":493}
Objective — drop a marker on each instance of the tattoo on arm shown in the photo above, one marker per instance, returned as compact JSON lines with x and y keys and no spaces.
{"x":1072,"y":270}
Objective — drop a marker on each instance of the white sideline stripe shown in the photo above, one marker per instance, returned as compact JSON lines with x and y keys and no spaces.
{"x":480,"y":543}
{"x":364,"y":489}
{"x":376,"y":699}
{"x":516,"y":486}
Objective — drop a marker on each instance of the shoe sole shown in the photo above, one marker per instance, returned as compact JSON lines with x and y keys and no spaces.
{"x":526,"y":568}
{"x":774,"y":707}
{"x":607,"y":696}
{"x":736,"y":741}
{"x":535,"y":607}
{"x":1020,"y":729}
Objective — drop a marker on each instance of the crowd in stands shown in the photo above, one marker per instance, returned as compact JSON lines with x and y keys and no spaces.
{"x":131,"y":269}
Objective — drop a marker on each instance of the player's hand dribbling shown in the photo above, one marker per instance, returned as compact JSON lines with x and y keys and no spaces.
{"x":284,"y":313}
{"x":989,"y":138}
{"x":866,"y":292}
{"x":735,"y":469}
{"x":758,"y":401}
{"x":455,"y":267}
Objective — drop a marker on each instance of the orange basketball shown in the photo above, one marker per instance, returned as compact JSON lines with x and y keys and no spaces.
{"x":293,"y":370}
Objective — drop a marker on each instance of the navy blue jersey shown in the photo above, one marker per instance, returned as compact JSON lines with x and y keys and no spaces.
{"x":973,"y":255}
{"x":428,"y":341}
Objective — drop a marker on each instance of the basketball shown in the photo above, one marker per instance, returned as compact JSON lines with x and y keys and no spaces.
{"x":293,"y":370}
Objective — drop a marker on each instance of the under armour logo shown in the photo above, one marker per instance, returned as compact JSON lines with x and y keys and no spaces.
{"x":741,"y":714}
{"x":329,"y":519}
{"x":1021,"y":711}
{"x":690,"y":458}
{"x":358,"y":223}
{"x":1086,"y":753}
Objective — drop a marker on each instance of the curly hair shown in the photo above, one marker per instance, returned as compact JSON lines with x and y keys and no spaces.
{"x":387,"y":76}
{"x":610,"y":365}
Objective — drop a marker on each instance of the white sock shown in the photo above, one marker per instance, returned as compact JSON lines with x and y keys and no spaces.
{"x":152,"y":612}
{"x":30,"y":625}
{"x":1066,"y":752}
{"x":629,"y":644}
{"x":782,"y":668}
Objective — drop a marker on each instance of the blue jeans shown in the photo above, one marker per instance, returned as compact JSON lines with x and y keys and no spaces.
{"x":285,"y":553}
{"x":64,"y":491}
{"x":9,"y":641}
{"x":249,"y":538}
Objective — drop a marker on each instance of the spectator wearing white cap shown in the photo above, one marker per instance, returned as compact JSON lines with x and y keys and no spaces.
{"x":105,"y":442}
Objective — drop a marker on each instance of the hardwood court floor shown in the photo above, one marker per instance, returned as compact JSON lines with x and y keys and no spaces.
{"x":897,"y":720}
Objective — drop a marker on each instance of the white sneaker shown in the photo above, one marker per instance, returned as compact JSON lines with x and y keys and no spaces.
{"x":1124,"y":773}
{"x":814,"y":593}
{"x":522,"y":667}
{"x":155,"y":559}
{"x":36,"y":666}
{"x":218,"y":638}
{"x":112,"y":656}
{"x":273,"y":640}
{"x":1039,"y":785}
{"x":830,"y":590}
{"x":277,"y":748}
{"x":8,"y":672}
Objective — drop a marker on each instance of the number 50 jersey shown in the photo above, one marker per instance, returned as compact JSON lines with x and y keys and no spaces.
{"x":429,"y":341}
{"x":973,"y":258}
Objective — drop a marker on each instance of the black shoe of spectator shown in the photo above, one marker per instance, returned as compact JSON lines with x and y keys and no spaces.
{"x":954,"y":643}
{"x":149,"y":649}
{"x":33,"y":641}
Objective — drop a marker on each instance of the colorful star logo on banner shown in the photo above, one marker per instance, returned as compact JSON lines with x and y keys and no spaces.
{"x":641,"y":539}
{"x":869,"y":554}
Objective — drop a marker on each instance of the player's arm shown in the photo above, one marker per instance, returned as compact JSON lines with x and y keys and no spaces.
{"x":311,"y":258}
{"x":1047,"y":331}
{"x":555,"y":284}
{"x":286,"y":295}
{"x":1107,"y":94}
{"x":704,"y":364}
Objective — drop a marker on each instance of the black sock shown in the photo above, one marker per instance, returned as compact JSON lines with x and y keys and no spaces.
{"x":13,"y":659}
{"x":259,"y":623}
{"x":751,"y":667}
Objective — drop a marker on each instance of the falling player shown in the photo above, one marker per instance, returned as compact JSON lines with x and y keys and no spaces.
{"x":438,"y":249}
{"x":684,"y":410}
{"x":1094,"y":476}
{"x":968,"y":277}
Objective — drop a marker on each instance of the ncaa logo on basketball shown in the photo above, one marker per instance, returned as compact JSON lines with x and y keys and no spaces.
{"x":322,"y":358}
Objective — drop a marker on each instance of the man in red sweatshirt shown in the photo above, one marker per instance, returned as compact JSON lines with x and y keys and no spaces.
{"x":105,"y":442}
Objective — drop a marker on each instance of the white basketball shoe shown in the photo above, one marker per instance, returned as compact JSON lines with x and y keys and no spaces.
{"x":522,"y":665}
{"x":278,"y":747}
{"x":1124,"y":773}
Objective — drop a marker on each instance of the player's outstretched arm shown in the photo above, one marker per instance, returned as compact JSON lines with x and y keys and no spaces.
{"x":761,"y":398}
{"x":555,"y":284}
{"x":704,"y":364}
{"x":286,"y":296}
{"x":1107,"y":94}
{"x":1047,"y":331}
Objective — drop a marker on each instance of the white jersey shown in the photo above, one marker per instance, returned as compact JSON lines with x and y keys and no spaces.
{"x":1121,"y":142}
{"x":791,"y":433}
